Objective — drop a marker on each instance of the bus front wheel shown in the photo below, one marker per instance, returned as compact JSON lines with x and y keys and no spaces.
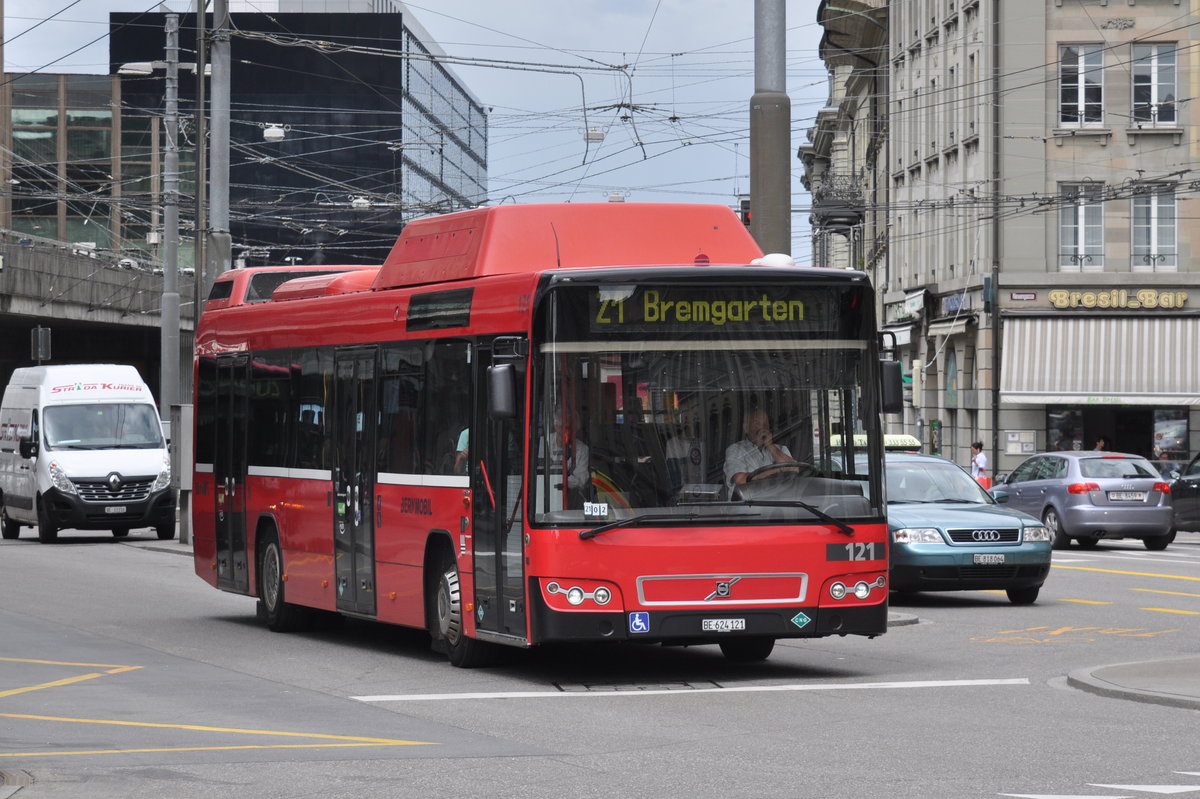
{"x":447,"y":630}
{"x":747,"y":650}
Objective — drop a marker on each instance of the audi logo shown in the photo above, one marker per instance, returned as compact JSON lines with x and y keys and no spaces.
{"x":985,"y":535}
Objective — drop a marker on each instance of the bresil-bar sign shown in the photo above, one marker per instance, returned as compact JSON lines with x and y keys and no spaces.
{"x":1122,"y":299}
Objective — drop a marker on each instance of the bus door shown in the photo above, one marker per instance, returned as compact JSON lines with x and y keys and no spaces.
{"x":354,"y":479}
{"x":229,"y":471}
{"x":499,"y":532}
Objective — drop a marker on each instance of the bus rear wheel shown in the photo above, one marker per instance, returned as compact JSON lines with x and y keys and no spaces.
{"x":281,"y":616}
{"x":446,"y":622}
{"x":747,"y":650}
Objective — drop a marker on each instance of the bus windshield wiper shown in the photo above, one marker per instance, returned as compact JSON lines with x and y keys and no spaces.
{"x":814,"y":510}
{"x":639,"y":520}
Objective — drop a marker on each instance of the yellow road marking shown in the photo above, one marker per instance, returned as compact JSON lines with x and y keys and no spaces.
{"x":1171,"y":593}
{"x":198,"y":749}
{"x":328,"y":741}
{"x":1172,"y":610}
{"x":1131,"y":574}
{"x":1086,"y":601}
{"x":356,"y":739}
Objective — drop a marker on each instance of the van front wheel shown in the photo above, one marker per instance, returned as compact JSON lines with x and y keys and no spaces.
{"x":47,"y":531}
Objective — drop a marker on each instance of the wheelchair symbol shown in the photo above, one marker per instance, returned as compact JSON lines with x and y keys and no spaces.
{"x":639,"y":622}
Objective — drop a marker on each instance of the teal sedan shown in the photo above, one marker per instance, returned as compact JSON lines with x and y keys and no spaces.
{"x":948,"y":534}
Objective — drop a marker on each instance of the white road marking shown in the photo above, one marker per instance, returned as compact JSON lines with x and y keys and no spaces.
{"x":1062,"y":796}
{"x":1163,"y":789}
{"x":677,"y":692}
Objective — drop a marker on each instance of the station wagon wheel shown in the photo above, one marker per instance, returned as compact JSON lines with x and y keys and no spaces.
{"x":1023,"y":596}
{"x":1058,"y":536}
{"x":1159,"y":542}
{"x":1087,"y":541}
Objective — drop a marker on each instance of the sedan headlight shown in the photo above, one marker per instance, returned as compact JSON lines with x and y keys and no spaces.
{"x":918,"y":535}
{"x":1037,"y":533}
{"x":60,"y":480}
{"x":164,"y":475}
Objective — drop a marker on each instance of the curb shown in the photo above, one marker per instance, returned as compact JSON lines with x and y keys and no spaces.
{"x":1087,"y":680}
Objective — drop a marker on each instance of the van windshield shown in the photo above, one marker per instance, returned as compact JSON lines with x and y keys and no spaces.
{"x":102,"y":426}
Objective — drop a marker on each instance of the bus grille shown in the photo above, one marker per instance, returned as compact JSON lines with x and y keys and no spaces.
{"x":100,"y":491}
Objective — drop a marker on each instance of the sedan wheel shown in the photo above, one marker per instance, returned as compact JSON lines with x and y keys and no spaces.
{"x":1058,"y":536}
{"x":1023,"y":596}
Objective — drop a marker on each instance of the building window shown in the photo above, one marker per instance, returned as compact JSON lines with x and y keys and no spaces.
{"x":1081,"y":85}
{"x":1154,"y":84}
{"x":1081,"y":227}
{"x":1154,"y":241}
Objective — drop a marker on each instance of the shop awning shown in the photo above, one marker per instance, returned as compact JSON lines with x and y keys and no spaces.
{"x":1100,"y":360}
{"x":903,"y":334}
{"x":948,"y":327}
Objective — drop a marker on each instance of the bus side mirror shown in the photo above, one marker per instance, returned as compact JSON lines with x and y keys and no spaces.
{"x":891,"y":387}
{"x":502,"y":391}
{"x":28,"y":448}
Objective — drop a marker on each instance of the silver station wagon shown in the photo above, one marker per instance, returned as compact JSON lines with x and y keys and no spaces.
{"x":1091,"y":495}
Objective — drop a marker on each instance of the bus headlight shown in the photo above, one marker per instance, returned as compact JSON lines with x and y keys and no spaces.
{"x":575,"y":595}
{"x":60,"y":480}
{"x":838,"y":590}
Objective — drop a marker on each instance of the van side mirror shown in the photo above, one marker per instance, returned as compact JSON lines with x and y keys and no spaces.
{"x":502,"y":391}
{"x":891,"y":387}
{"x":28,"y":448}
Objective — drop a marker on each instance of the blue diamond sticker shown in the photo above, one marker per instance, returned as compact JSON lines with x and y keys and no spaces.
{"x":800,"y":620}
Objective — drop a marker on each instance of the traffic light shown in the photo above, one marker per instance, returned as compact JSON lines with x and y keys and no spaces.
{"x":744,"y":209}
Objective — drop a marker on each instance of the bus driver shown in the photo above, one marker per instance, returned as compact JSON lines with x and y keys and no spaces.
{"x":756,"y":450}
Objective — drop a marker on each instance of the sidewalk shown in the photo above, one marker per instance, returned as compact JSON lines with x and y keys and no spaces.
{"x":1162,"y":682}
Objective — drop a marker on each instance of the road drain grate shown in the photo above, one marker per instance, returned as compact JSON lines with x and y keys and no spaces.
{"x":21,"y":778}
{"x":633,"y":687}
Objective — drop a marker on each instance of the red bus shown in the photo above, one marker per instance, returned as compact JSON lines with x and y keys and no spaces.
{"x":531,"y":425}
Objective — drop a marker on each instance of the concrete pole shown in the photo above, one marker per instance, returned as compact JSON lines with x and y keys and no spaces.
{"x":770,"y":131}
{"x":219,"y":250}
{"x":169,"y":355}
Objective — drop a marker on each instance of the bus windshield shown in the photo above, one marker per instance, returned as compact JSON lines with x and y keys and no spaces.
{"x":674,"y":404}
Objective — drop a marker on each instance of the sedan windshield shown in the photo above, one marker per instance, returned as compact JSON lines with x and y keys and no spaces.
{"x":929,"y":481}
{"x":102,"y":426}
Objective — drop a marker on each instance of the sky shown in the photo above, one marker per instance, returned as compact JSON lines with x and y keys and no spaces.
{"x":674,"y":119}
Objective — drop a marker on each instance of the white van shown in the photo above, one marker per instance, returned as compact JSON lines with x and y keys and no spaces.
{"x":82,"y":447}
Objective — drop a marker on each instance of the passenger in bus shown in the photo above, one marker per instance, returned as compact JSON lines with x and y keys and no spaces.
{"x":577,"y":467}
{"x":462,"y":451}
{"x":756,"y":450}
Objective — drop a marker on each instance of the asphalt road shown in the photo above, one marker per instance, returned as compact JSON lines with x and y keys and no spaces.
{"x":122,"y":674}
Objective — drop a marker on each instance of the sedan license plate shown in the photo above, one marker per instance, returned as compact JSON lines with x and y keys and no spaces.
{"x":722,"y":625}
{"x":1127,"y":496}
{"x":989,"y":560}
{"x":114,"y":508}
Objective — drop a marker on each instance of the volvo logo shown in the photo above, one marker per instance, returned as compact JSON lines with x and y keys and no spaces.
{"x":724,"y":590}
{"x":985,"y":535}
{"x":114,"y":481}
